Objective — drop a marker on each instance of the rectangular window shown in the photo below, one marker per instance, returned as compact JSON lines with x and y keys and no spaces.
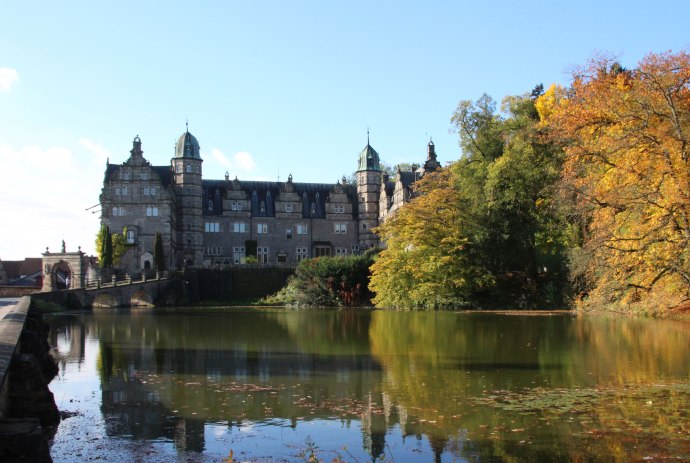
{"x":147,"y":191}
{"x":338,"y":208}
{"x":340,"y":228}
{"x":320,"y":251}
{"x":355,"y":248}
{"x":144,"y":175}
{"x":126,"y":175}
{"x":124,"y":190}
{"x":151,"y":212}
{"x":211,"y":227}
{"x":118,"y":191}
{"x":235,"y":206}
{"x":301,"y":254}
{"x":340,"y":251}
{"x":262,"y":254}
{"x":213,"y":250}
{"x":288,"y":233}
{"x":288,"y":207}
{"x":189,"y":168}
{"x":153,"y":191}
{"x":301,"y":229}
{"x":239,"y":227}
{"x":130,"y":236}
{"x":262,"y":228}
{"x":118,"y":211}
{"x":238,"y":254}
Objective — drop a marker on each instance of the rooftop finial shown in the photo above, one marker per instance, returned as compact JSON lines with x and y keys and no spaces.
{"x":186,"y":123}
{"x":367,"y":135}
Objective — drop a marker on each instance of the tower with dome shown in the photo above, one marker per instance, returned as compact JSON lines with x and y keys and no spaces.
{"x":228,"y":222}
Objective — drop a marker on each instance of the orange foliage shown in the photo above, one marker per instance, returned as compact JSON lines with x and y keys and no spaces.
{"x":626,"y":134}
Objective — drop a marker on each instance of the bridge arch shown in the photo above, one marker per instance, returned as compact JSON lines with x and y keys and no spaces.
{"x":63,"y":270}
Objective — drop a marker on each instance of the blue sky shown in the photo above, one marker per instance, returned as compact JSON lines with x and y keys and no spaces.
{"x":269,"y":88}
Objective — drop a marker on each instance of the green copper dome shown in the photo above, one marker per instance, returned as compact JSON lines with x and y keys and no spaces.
{"x":369,"y":159}
{"x":187,"y":146}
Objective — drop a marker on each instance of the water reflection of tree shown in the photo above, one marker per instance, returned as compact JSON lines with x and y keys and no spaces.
{"x":424,"y":372}
{"x":490,"y":354}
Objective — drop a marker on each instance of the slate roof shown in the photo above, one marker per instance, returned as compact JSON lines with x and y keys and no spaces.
{"x":259,"y":192}
{"x":407,"y":178}
{"x":164,"y":172}
{"x":389,"y":188}
{"x":187,"y":147}
{"x":369,"y":159}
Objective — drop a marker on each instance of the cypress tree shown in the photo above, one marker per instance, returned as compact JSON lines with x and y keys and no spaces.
{"x":158,"y":256}
{"x":107,"y":255}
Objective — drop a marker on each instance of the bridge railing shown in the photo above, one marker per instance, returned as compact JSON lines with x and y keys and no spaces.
{"x":125,"y":279}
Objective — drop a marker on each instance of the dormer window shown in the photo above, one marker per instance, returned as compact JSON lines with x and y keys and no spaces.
{"x":288,"y":207}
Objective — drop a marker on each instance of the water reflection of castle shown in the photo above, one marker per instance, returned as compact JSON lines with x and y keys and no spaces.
{"x":149,"y":389}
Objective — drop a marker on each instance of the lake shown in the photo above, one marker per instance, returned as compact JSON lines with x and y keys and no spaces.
{"x":199,"y":385}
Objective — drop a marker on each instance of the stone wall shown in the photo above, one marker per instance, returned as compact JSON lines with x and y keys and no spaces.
{"x":199,"y":285}
{"x":26,"y":368}
{"x":17,"y":291}
{"x":252,"y":283}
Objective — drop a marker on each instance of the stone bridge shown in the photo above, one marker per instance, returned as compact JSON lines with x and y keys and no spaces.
{"x":115,"y":293}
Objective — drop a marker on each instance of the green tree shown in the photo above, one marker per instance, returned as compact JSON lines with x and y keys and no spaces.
{"x":107,"y":253}
{"x":328,"y":282}
{"x":119,"y":245}
{"x":428,"y":261}
{"x":158,"y":254}
{"x":487,"y":231}
{"x":100,"y":241}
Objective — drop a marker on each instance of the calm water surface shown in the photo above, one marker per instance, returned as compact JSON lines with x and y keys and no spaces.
{"x":277,"y":385}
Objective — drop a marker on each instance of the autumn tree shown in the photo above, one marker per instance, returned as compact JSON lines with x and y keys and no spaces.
{"x":626,"y":134}
{"x":486,"y":231}
{"x":427,"y":261}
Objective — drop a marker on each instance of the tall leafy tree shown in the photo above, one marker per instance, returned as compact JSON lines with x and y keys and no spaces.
{"x":627,"y":138}
{"x":100,"y":241}
{"x":158,"y":254}
{"x":107,"y":254}
{"x":427,"y":262}
{"x":486,"y":230}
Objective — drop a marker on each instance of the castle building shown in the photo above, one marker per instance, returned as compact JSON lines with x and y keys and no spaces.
{"x":209,"y":223}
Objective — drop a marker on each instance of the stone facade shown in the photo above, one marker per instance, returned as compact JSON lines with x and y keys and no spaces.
{"x":211,"y":223}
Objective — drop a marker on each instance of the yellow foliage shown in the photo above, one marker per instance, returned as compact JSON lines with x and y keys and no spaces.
{"x":546,"y":103}
{"x":627,"y":140}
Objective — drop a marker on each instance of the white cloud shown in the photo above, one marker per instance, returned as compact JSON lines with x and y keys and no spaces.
{"x":8,"y":77}
{"x":44,"y":193}
{"x":240,"y":161}
{"x":100,"y":153}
